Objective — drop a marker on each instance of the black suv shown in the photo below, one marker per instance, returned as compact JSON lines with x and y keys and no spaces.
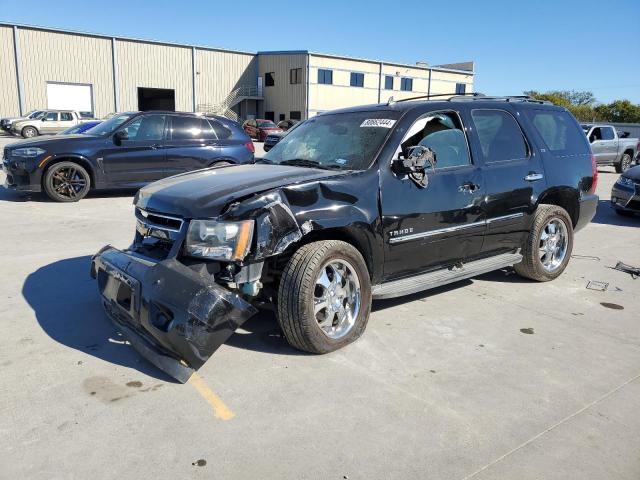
{"x":127,"y":151}
{"x":369,"y":202}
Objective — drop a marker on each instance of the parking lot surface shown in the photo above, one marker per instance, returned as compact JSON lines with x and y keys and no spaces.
{"x":492,"y":378}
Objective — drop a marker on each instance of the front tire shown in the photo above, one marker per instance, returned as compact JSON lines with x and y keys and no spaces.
{"x":29,"y":132}
{"x":547,"y":249}
{"x":324,"y":298}
{"x":624,"y":164}
{"x":66,"y":182}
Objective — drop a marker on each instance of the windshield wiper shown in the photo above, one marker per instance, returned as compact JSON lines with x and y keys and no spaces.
{"x":301,"y":162}
{"x":263,"y":160}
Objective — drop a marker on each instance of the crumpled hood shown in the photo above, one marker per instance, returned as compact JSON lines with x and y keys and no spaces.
{"x":205,"y":193}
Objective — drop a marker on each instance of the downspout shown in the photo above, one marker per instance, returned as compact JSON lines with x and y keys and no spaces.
{"x":308,"y":83}
{"x":380,"y":83}
{"x":16,"y":56}
{"x":116,"y":85}
{"x":429,"y":85}
{"x":193,"y":77}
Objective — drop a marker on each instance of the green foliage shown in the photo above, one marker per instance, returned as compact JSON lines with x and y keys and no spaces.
{"x":584,"y":107}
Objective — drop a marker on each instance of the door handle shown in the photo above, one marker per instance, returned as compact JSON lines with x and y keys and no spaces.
{"x":156,"y":146}
{"x":533,"y":176}
{"x":468,"y":187}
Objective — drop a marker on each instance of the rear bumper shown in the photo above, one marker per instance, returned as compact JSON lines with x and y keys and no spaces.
{"x":588,"y":205}
{"x":173,"y":316}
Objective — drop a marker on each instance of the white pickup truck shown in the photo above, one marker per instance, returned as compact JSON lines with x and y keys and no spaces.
{"x":610,"y":149}
{"x":50,"y":122}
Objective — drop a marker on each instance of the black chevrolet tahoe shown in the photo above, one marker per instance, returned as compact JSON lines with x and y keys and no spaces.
{"x":364,"y":203}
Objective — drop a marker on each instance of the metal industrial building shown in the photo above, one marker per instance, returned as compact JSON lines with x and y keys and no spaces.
{"x":49,"y":68}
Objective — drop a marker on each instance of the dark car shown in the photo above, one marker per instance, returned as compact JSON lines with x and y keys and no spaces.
{"x":260,"y":128}
{"x":127,"y":151}
{"x":368,"y":202}
{"x":81,"y":127}
{"x":625,"y":194}
{"x":287,"y":124}
{"x":272,"y":138}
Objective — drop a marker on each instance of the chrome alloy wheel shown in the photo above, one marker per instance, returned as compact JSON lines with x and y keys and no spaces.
{"x":554,"y":241}
{"x":336,"y":298}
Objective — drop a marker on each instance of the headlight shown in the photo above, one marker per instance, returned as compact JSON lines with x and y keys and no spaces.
{"x":625,"y":181}
{"x":219,"y":240}
{"x":27,"y":152}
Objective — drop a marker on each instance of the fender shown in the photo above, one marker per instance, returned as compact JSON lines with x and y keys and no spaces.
{"x":50,"y":160}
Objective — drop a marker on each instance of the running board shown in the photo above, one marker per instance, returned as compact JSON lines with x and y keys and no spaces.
{"x":426,"y":281}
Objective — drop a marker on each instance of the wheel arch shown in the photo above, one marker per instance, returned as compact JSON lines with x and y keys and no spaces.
{"x":29,"y":126}
{"x":82,"y":161}
{"x":565,"y":197}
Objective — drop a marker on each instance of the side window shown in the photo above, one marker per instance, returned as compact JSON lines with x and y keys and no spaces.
{"x":269,"y":80}
{"x":442,"y":132}
{"x":51,"y":117}
{"x":461,"y":88}
{"x":607,"y":133}
{"x":146,"y":128}
{"x":500,"y":135}
{"x":560,"y":132}
{"x":596,"y":134}
{"x":221,"y":131}
{"x":406,"y":84}
{"x":190,"y":128}
{"x":66,"y":116}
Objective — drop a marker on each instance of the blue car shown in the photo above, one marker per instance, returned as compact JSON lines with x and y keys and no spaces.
{"x":127,"y":151}
{"x":80,"y":128}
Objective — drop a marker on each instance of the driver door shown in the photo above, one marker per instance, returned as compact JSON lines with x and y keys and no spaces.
{"x":442,"y":224}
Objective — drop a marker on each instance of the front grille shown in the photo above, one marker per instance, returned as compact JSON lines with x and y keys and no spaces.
{"x":160,"y":221}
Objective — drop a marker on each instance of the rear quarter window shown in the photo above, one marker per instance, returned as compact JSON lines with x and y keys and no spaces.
{"x":559,"y":131}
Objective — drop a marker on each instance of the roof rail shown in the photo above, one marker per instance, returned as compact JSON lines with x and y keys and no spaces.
{"x":471,"y":97}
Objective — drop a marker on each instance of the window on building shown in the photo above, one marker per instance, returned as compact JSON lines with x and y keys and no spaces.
{"x":406,"y":84}
{"x":461,"y":88}
{"x":357,"y":79}
{"x":295,"y":115}
{"x":325,"y":77}
{"x":281,"y":117}
{"x":269,"y":79}
{"x":66,"y":116}
{"x":388,"y":82}
{"x":500,"y":135}
{"x":269,"y":116}
{"x":295,"y":75}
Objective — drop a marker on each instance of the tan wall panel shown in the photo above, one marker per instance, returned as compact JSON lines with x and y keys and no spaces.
{"x":284,"y":97}
{"x":154,"y":66}
{"x":9,"y":102}
{"x":60,"y":57}
{"x":221,"y":72}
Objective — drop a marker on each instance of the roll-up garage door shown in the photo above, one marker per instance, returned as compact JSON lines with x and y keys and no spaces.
{"x":69,"y":96}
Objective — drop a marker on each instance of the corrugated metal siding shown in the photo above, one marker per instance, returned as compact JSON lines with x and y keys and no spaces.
{"x":154,"y":66}
{"x":59,"y":57}
{"x":219,"y":73}
{"x":9,"y":103}
{"x":284,"y":97}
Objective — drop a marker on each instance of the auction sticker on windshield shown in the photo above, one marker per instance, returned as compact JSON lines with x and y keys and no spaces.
{"x":378,"y":122}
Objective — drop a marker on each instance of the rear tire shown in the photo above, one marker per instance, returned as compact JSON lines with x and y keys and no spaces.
{"x":66,"y":182}
{"x":29,"y":132}
{"x":624,"y":164}
{"x":545,"y":253}
{"x":324,"y":297}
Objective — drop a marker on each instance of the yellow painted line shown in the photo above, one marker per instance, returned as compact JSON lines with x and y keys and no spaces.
{"x":220,"y":410}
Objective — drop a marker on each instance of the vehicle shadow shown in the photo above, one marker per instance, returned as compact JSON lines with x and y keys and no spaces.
{"x":7,"y":195}
{"x":67,"y":306}
{"x":607,"y":215}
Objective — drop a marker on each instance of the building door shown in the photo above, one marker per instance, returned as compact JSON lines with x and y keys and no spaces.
{"x":156,"y":99}
{"x":70,"y":96}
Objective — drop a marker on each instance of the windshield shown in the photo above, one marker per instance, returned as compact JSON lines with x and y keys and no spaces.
{"x":266,"y":124}
{"x":109,"y":126}
{"x":35,"y":114}
{"x":346,"y":141}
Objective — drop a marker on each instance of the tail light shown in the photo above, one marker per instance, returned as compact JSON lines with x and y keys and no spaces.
{"x":250,"y":147}
{"x":594,"y":174}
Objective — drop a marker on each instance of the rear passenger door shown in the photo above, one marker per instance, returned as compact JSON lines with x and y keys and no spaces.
{"x":513,"y":176}
{"x":191,"y":144}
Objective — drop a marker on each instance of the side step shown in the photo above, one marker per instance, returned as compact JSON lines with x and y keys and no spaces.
{"x":426,"y":281}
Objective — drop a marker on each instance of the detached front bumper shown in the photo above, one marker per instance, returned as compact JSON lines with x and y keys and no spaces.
{"x":19,"y":179}
{"x":626,"y":197}
{"x":175,"y":317}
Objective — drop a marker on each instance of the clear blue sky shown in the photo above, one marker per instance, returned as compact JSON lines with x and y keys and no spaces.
{"x":517,"y":46}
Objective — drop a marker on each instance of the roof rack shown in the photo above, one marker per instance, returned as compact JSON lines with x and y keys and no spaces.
{"x":471,"y":97}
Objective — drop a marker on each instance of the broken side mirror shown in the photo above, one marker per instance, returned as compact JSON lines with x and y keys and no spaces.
{"x":119,"y":136}
{"x":415,"y":165}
